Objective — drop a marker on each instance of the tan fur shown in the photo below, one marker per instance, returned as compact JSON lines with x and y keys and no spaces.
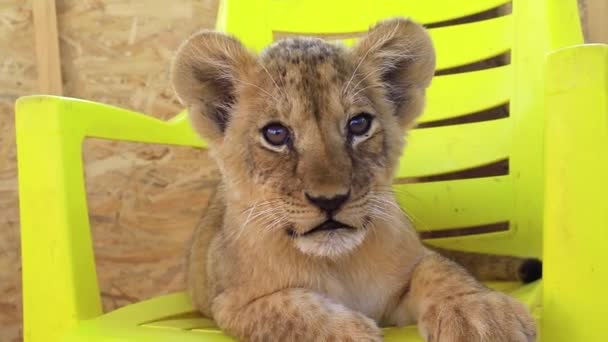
{"x":253,"y":266}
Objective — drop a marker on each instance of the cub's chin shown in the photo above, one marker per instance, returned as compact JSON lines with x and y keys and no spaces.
{"x":329,"y":239}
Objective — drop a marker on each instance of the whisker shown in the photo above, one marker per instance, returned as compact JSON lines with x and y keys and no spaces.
{"x":366,"y":76}
{"x":420,"y":225}
{"x":272,"y":79}
{"x":362,"y":59}
{"x":262,"y":203}
{"x":260,"y":88}
{"x":364,"y":89}
{"x":249,"y":215}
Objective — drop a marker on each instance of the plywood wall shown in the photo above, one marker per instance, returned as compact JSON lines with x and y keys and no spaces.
{"x":17,"y":77}
{"x":594,"y":14}
{"x":144,"y":200}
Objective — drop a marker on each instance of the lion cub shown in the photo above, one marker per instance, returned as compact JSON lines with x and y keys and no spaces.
{"x":304,"y":240}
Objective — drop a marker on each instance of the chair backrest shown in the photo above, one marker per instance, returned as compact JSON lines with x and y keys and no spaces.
{"x":473,"y":119}
{"x":55,"y":236}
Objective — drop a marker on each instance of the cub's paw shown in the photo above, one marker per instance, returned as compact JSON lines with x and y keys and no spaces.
{"x":353,"y":327}
{"x":479,"y":317}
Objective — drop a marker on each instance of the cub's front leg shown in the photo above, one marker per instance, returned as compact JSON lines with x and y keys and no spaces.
{"x":293,"y":314}
{"x":450,"y":306}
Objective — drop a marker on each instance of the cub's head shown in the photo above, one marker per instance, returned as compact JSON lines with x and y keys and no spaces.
{"x":307,"y":134}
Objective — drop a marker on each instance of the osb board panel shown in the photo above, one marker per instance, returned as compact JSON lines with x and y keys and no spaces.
{"x":118,"y":52}
{"x":144,"y":202}
{"x":594,"y":15}
{"x":17,"y":77}
{"x":10,"y":260}
{"x":17,"y":55}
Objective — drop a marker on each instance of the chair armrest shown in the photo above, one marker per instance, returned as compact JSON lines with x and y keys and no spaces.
{"x":59,"y":279}
{"x":575,"y":273}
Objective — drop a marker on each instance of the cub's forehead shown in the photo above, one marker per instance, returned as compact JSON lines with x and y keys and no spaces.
{"x":301,"y":47}
{"x":304,"y":52}
{"x":309,"y":75}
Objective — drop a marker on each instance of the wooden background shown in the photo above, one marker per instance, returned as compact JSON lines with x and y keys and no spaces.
{"x":144,"y":200}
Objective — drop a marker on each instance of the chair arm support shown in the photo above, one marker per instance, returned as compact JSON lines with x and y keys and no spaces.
{"x":58,"y":264}
{"x":575,"y":305}
{"x":90,"y":119}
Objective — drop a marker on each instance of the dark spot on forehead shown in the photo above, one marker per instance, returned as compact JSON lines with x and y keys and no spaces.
{"x":307,"y":63}
{"x":294,"y":59}
{"x":297,"y":50}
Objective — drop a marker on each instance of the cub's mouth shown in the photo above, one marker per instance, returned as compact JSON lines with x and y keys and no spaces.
{"x":328,"y":225}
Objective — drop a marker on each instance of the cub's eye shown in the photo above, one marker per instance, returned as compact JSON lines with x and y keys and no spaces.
{"x":276,"y":134}
{"x":360,"y":124}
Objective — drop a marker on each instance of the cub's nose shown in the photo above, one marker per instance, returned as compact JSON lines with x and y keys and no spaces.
{"x":328,"y":204}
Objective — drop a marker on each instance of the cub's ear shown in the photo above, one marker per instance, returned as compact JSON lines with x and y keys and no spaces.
{"x":400,"y":54}
{"x":205,"y":74}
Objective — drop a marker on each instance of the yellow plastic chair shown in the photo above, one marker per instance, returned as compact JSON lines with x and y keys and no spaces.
{"x":561,"y":182}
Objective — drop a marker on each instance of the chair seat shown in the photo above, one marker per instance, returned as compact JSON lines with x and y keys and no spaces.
{"x":173,"y":318}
